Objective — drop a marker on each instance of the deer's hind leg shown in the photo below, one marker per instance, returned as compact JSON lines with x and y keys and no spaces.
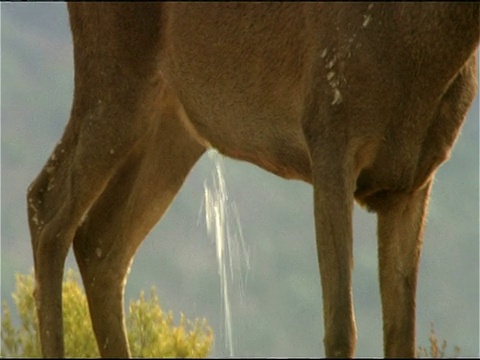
{"x":116,"y":86}
{"x":93,"y":147}
{"x":134,"y":200}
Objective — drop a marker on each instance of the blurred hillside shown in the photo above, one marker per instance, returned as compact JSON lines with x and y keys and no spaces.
{"x":279,"y":313}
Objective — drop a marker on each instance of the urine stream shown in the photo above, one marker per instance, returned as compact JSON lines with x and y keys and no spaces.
{"x":223,"y":228}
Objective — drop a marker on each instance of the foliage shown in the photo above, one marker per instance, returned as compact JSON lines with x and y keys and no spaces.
{"x":436,"y":350}
{"x":151,"y":332}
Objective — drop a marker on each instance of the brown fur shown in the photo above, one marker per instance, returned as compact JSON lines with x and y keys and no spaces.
{"x":363,"y":101}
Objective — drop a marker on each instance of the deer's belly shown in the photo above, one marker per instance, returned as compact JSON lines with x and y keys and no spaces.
{"x":242,"y":91}
{"x":253,"y":132}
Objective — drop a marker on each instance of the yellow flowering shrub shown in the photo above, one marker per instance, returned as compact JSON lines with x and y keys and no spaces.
{"x":151,"y":332}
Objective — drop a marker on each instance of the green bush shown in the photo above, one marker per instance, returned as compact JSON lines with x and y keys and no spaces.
{"x":151,"y":332}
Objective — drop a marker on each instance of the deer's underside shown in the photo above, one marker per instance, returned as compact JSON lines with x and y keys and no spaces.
{"x":363,"y":101}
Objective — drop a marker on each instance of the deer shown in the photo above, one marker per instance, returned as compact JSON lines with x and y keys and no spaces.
{"x":364,"y":101}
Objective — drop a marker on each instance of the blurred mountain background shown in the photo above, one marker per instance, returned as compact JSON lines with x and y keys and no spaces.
{"x":278,"y":311}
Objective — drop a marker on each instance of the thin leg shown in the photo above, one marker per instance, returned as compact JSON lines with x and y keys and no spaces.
{"x":74,"y":177}
{"x":400,"y":233}
{"x":333,"y":200}
{"x":135,"y":199}
{"x":112,"y":107}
